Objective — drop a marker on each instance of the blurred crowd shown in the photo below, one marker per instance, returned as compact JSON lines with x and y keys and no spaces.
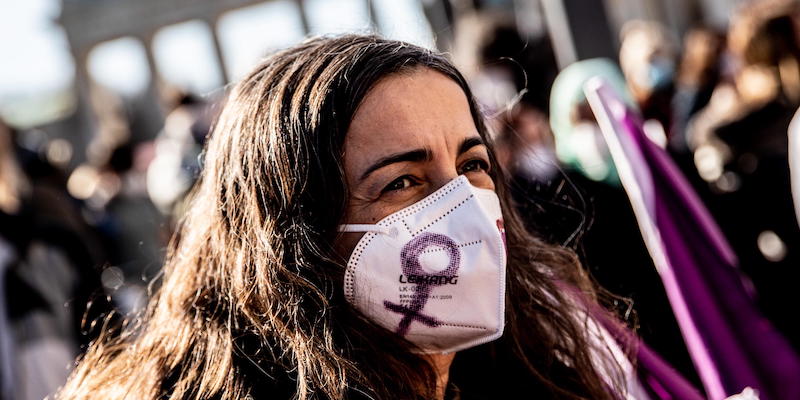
{"x":81,"y":246}
{"x":81,"y":249}
{"x":719,"y":102}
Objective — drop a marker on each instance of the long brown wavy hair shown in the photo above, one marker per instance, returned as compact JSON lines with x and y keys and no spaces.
{"x":252,"y":304}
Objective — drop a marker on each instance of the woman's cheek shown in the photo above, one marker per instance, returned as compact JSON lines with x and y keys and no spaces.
{"x":481,"y":180}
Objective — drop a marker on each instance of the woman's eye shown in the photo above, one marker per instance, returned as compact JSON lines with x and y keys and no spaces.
{"x":475,"y":165}
{"x":400,"y":183}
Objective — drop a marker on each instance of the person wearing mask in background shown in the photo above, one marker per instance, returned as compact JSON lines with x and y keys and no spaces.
{"x":648,"y":56}
{"x":511,"y":75}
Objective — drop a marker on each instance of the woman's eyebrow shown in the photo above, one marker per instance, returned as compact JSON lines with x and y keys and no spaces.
{"x":412,"y":156}
{"x":418,"y":155}
{"x":469,"y":143}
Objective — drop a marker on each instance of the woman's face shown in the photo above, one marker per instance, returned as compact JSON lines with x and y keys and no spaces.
{"x":411,"y":135}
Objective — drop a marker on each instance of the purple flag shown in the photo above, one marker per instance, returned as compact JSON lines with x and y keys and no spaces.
{"x":731,"y":344}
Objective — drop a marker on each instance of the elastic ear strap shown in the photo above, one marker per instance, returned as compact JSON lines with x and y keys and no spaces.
{"x":363,"y":228}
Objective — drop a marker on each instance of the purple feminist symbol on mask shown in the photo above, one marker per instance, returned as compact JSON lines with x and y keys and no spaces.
{"x":409,"y":257}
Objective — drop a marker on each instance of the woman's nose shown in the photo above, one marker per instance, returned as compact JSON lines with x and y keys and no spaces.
{"x":442,"y":178}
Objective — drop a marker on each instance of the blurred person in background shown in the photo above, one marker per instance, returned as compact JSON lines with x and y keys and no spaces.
{"x":50,"y":291}
{"x":698,"y":74}
{"x":135,"y":231}
{"x":502,"y":65}
{"x":741,"y":150}
{"x":265,"y":296}
{"x":579,"y":141}
{"x":524,"y":144}
{"x":178,"y":149}
{"x":511,"y":77}
{"x":571,"y":199}
{"x":112,"y":184}
{"x":648,"y":57}
{"x":597,"y":215}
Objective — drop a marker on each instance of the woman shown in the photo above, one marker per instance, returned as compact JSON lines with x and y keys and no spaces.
{"x":273,"y":290}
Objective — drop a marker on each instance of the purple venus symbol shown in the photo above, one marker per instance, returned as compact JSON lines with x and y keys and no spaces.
{"x":409,"y":258}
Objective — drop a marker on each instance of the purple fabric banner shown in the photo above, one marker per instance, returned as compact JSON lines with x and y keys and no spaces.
{"x":732,"y":345}
{"x":654,"y":374}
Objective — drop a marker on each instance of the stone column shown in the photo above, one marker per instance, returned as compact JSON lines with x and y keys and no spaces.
{"x":303,"y":17}
{"x":84,"y":118}
{"x":579,"y":30}
{"x":154,"y":106}
{"x":225,"y":75}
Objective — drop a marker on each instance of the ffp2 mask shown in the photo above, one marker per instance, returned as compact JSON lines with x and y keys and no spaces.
{"x":434,"y":272}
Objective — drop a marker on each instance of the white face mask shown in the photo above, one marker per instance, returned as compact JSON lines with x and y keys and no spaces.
{"x":434,"y":272}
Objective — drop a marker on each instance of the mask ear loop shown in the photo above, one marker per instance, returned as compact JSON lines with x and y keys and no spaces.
{"x":391,"y":231}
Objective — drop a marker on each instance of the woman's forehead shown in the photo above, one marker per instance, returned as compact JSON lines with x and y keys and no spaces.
{"x":411,"y":109}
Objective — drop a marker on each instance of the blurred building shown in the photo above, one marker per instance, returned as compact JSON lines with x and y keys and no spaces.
{"x":150,"y":47}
